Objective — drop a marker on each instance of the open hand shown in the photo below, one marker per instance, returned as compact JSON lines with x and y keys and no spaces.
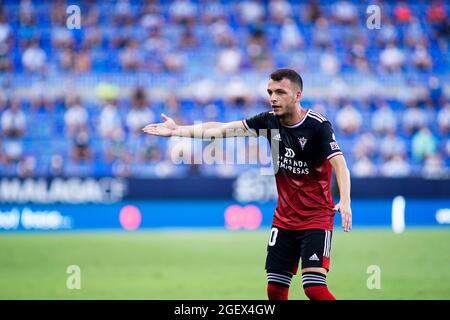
{"x":346,"y":215}
{"x":167,"y":128}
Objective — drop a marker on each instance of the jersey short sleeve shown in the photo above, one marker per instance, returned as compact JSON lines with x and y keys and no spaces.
{"x":257,"y":123}
{"x":329,"y":145}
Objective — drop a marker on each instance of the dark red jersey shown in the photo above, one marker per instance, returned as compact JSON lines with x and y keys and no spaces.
{"x":301,"y":155}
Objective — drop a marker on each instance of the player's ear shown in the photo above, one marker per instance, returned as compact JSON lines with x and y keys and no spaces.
{"x":298,"y":95}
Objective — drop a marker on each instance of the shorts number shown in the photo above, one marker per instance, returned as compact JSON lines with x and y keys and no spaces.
{"x":273,"y":236}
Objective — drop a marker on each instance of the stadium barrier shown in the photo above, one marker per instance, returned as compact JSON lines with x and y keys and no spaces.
{"x":205,"y":213}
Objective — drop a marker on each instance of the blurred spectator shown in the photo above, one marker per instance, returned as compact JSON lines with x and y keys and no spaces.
{"x":312,"y":12}
{"x":421,"y":59}
{"x":56,"y":165}
{"x":123,"y":14}
{"x":151,"y":152}
{"x":140,"y":114}
{"x":279,"y":10}
{"x":423,"y":144}
{"x":434,"y":167}
{"x":345,"y":12}
{"x":414,"y":34}
{"x":435,"y":90}
{"x":26,"y":166}
{"x":290,"y":35}
{"x":188,"y":39}
{"x":237,"y":92}
{"x":183,"y":11}
{"x":388,"y":33}
{"x":229,"y":60}
{"x":322,"y":35}
{"x":114,"y":148}
{"x":131,"y":57}
{"x":76,"y":117}
{"x":5,"y":28}
{"x":5,"y":61}
{"x":396,"y":167}
{"x":444,"y":119}
{"x":329,"y":63}
{"x":348,"y":120}
{"x":436,"y":12}
{"x":363,"y":167}
{"x":13,"y":120}
{"x":213,"y":10}
{"x":392,"y":58}
{"x":13,"y":150}
{"x":402,"y":13}
{"x":365,"y":145}
{"x":81,"y":149}
{"x":391,"y":146}
{"x":384,"y":120}
{"x":414,"y":118}
{"x":62,"y":38}
{"x":173,"y":62}
{"x":257,"y":50}
{"x":110,"y":123}
{"x":251,"y":11}
{"x":83,"y":61}
{"x":57,"y":12}
{"x":34,"y":58}
{"x":447,"y":149}
{"x":222,"y":33}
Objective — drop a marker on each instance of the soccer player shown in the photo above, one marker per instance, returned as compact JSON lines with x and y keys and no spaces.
{"x":307,"y":151}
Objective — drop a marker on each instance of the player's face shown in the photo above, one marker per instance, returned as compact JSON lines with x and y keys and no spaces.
{"x":283,"y":97}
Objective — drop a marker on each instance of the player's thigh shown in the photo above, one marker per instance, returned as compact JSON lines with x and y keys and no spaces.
{"x":283,"y":251}
{"x":316,"y":248}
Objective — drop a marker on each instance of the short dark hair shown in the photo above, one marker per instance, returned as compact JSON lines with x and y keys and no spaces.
{"x":290,"y":74}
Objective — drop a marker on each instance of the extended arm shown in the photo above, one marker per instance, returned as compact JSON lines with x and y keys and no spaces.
{"x":205,"y":130}
{"x":343,"y":180}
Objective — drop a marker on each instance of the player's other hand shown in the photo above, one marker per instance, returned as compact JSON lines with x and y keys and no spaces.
{"x":346,"y":215}
{"x":165,"y":129}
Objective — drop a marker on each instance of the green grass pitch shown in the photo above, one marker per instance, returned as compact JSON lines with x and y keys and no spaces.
{"x":215,"y":264}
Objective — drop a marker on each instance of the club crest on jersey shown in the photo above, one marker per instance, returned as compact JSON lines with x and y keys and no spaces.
{"x":302,"y":142}
{"x":289,"y":153}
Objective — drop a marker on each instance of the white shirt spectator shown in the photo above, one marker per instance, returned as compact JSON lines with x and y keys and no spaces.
{"x":251,"y":11}
{"x":396,"y":167}
{"x":384,"y":120}
{"x":137,"y":118}
{"x":329,"y":63}
{"x":75,"y":117}
{"x":391,"y":146}
{"x":364,"y":167}
{"x":109,"y":121}
{"x":290,"y":35}
{"x":444,"y":118}
{"x":434,"y":168}
{"x":414,"y":118}
{"x":392,"y":57}
{"x":345,"y":11}
{"x":13,"y":119}
{"x":388,"y":33}
{"x":5,"y":31}
{"x":421,"y":58}
{"x":348,"y":119}
{"x":182,"y":9}
{"x":280,"y":9}
{"x":229,"y":60}
{"x":34,"y":58}
{"x":222,"y":32}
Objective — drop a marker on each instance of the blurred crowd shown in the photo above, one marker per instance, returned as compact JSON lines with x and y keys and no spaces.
{"x":70,"y":134}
